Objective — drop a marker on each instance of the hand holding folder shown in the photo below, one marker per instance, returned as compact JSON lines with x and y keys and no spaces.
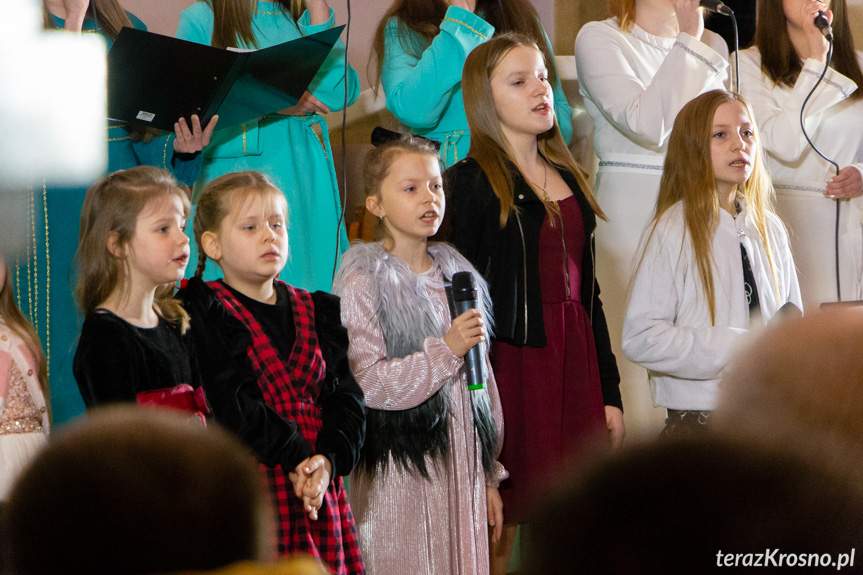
{"x":194,"y":139}
{"x":308,"y":104}
{"x":153,"y":80}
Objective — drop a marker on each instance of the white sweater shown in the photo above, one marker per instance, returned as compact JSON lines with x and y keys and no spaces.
{"x":667,"y":327}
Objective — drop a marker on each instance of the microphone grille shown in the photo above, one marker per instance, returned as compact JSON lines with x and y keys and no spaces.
{"x":463,"y":286}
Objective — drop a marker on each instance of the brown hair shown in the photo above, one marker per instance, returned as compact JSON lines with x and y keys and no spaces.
{"x":107,"y":13}
{"x":232,"y":20}
{"x":137,"y":491}
{"x":624,"y":11}
{"x":781,"y":391}
{"x":378,"y":162}
{"x":688,"y":177}
{"x":112,"y":205}
{"x":748,"y":496}
{"x":779,"y":59}
{"x":488,"y":145}
{"x":16,"y":321}
{"x":221,"y":195}
{"x":423,"y":18}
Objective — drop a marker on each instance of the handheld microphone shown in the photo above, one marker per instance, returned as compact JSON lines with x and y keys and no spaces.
{"x":716,"y":6}
{"x":462,"y":296}
{"x":824,"y":26}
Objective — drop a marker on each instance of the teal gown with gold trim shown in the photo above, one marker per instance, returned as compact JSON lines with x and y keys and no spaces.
{"x":292,"y":150}
{"x":422,"y":82}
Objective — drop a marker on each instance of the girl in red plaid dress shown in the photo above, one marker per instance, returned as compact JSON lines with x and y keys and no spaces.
{"x":274,"y":361}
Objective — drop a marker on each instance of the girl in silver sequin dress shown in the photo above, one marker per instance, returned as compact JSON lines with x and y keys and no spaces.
{"x":425,"y":490}
{"x":24,"y":421}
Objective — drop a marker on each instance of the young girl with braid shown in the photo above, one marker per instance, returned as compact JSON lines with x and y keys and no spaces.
{"x":274,"y":361}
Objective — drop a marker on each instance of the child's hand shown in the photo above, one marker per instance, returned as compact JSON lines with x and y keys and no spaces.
{"x":194,"y":140}
{"x":466,"y":331}
{"x":469,"y":5}
{"x":76,"y":11}
{"x":307,"y":105}
{"x":495,"y":512}
{"x":848,"y":184}
{"x":311,"y":479}
{"x":616,"y":427}
{"x":818,"y":44}
{"x":689,"y":17}
{"x":319,"y":11}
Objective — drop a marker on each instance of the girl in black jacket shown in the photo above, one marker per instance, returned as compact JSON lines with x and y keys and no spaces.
{"x":523,"y":214}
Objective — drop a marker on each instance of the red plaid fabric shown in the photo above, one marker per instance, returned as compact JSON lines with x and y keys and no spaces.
{"x":290,"y":387}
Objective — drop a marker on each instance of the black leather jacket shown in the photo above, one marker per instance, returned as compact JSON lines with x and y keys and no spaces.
{"x":509,"y":260}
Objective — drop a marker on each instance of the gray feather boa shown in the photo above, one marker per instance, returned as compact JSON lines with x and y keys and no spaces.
{"x":402,"y":302}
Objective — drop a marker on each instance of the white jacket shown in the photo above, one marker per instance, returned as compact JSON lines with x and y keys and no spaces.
{"x":667,"y":327}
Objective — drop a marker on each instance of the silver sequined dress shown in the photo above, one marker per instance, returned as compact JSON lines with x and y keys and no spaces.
{"x":408,"y":524}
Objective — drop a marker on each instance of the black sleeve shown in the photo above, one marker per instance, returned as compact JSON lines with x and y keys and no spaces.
{"x":341,"y":398}
{"x":105,"y":363}
{"x":220,"y":342}
{"x":608,"y":374}
{"x":463,"y":183}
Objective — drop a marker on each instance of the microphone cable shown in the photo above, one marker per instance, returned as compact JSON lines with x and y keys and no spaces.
{"x":835,"y":165}
{"x":343,"y":200}
{"x":736,"y":52}
{"x":719,"y":7}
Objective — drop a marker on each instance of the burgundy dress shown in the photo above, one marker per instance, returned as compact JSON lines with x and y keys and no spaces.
{"x":551,"y":396}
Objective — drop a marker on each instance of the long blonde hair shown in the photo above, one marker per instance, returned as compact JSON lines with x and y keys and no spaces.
{"x":16,"y":321}
{"x":221,"y":196}
{"x":112,"y":205}
{"x":688,"y":177}
{"x":488,"y":145}
{"x":232,"y":20}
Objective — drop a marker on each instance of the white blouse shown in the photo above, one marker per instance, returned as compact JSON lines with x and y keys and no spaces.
{"x":833,"y":122}
{"x":635,"y":83}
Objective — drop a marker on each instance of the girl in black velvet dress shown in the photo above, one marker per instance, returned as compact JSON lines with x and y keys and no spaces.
{"x":131,"y":250}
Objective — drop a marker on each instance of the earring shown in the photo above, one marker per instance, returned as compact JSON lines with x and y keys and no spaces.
{"x":381,"y":218}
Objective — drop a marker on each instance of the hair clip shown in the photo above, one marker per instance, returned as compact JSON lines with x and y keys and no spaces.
{"x":382,"y":136}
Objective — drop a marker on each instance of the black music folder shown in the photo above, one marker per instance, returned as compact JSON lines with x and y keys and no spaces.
{"x":153,"y":79}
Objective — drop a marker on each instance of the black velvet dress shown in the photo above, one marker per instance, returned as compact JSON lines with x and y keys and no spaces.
{"x":116,"y":360}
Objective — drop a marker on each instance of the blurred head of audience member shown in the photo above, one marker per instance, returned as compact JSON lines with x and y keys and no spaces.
{"x":135,"y":491}
{"x":295,"y":565}
{"x":801,"y":386}
{"x":682,"y":506}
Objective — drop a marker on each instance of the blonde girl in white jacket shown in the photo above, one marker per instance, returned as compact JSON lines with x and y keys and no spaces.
{"x":713,"y":262}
